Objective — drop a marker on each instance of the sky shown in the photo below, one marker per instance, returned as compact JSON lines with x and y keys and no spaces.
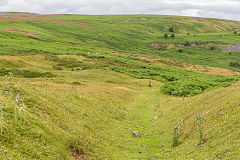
{"x":224,"y":9}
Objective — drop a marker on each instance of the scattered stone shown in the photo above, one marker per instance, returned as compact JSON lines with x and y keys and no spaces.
{"x":144,"y":19}
{"x":148,"y":32}
{"x":196,"y":44}
{"x":138,"y":127}
{"x":136,"y":133}
{"x":231,"y":48}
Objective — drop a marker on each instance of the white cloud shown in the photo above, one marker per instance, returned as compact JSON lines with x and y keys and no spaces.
{"x":228,"y":9}
{"x":191,"y":12}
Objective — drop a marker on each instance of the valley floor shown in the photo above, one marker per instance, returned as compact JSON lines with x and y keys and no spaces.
{"x":152,"y":115}
{"x":96,"y":116}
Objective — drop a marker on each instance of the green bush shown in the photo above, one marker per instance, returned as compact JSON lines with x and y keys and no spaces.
{"x":183,"y":88}
{"x":187,"y":43}
{"x":165,"y":35}
{"x":180,"y":50}
{"x":235,"y":64}
{"x":26,"y":73}
{"x":76,"y":83}
{"x":172,"y":35}
{"x":212,"y":48}
{"x":171,"y":29}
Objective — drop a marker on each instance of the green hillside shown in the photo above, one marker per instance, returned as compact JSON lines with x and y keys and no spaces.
{"x":77,"y":87}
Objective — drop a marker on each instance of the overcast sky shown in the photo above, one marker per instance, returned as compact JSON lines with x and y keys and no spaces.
{"x":226,"y":9}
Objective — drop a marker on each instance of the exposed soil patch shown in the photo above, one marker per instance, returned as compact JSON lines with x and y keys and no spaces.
{"x":77,"y":42}
{"x":211,"y":70}
{"x":195,"y":44}
{"x":127,"y":20}
{"x":20,"y":31}
{"x":162,"y":46}
{"x":76,"y":155}
{"x":231,"y":48}
{"x":100,"y":41}
{"x":35,"y":17}
{"x":143,"y":58}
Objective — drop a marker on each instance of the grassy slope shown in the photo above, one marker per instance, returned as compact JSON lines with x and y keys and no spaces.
{"x":125,"y":34}
{"x":96,"y":117}
{"x":58,"y":118}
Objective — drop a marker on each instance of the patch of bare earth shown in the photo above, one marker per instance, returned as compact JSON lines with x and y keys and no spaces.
{"x":77,"y":42}
{"x":76,"y":155}
{"x":212,"y":70}
{"x":36,"y":17}
{"x":20,"y":31}
{"x":162,"y":45}
{"x":143,"y":58}
{"x":199,"y":68}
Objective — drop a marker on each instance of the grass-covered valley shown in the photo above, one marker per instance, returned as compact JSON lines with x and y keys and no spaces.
{"x":119,"y":87}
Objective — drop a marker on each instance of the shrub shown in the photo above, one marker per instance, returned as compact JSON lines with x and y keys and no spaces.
{"x":175,"y":136}
{"x":183,"y":88}
{"x":180,"y":50}
{"x":187,"y":43}
{"x":76,"y":83}
{"x":56,"y":67}
{"x":165,"y":35}
{"x":26,"y":73}
{"x":212,"y":48}
{"x":149,"y":84}
{"x":171,"y":29}
{"x":199,"y":119}
{"x":235,"y":64}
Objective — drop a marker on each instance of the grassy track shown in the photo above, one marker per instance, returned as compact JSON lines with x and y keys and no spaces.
{"x":141,"y":118}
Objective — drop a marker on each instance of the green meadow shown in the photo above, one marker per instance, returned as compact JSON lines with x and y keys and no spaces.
{"x":113,"y":87}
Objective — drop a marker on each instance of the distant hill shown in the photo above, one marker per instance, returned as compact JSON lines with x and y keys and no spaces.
{"x":5,"y":13}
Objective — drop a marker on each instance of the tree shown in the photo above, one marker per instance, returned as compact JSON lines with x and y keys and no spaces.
{"x":235,"y":64}
{"x":172,"y":35}
{"x":180,"y":50}
{"x":165,"y":35}
{"x":171,"y":29}
{"x":212,"y":48}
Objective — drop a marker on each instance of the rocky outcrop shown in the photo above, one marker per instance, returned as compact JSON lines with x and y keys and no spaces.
{"x":231,"y":48}
{"x":195,"y":44}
